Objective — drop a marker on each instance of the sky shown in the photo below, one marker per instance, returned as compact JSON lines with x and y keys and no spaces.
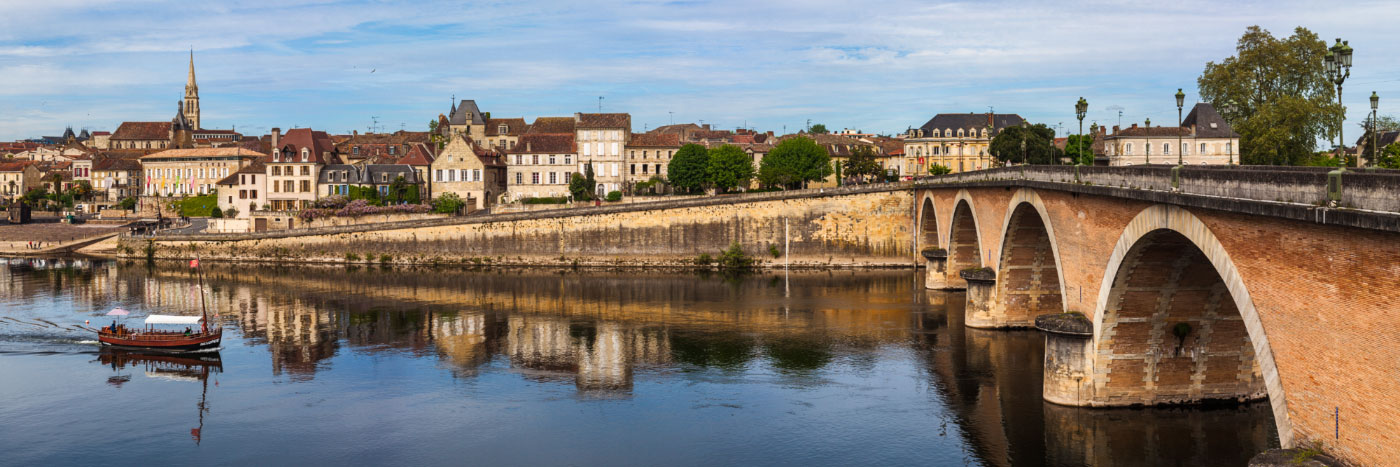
{"x":877,"y":66}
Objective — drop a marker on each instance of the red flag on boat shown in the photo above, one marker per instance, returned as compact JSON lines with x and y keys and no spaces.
{"x":194,"y":263}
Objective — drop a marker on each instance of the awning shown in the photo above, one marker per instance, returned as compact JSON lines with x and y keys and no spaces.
{"x":171,"y":319}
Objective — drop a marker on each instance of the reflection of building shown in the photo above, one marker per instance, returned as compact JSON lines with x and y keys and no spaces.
{"x":460,"y":339}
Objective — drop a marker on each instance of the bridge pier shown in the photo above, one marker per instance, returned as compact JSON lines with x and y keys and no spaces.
{"x":936,"y":268}
{"x":1069,"y":366}
{"x":983,"y":310}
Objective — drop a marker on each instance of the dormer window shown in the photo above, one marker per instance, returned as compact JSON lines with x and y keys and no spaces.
{"x":276,"y":155}
{"x":392,"y":150}
{"x":384,"y":178}
{"x":960,"y":133}
{"x":503,"y":129}
{"x":305,"y":154}
{"x":355,"y":150}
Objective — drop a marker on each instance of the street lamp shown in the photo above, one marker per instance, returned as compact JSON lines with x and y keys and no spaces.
{"x":1079,"y":109}
{"x":1338,"y":65}
{"x":1180,"y":99}
{"x":1375,"y":150}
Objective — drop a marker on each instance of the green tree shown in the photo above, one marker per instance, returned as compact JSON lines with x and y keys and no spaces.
{"x":730,"y":167}
{"x":689,"y":168}
{"x":1275,"y":94}
{"x":80,"y":189}
{"x":216,"y":213}
{"x":818,"y":129}
{"x":1080,"y":153}
{"x":793,"y":163}
{"x":448,"y":203}
{"x":938,"y":169}
{"x":1390,"y":157}
{"x":1025,"y":145}
{"x":129,"y":204}
{"x":579,"y":187}
{"x":861,"y":164}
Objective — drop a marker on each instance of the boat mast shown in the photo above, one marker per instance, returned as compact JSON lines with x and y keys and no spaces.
{"x":203,"y":307}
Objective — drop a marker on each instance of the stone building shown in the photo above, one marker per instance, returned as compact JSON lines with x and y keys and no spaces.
{"x":245,"y":190}
{"x":116,"y":178}
{"x":18,"y":177}
{"x":600,"y":139}
{"x":189,"y":172}
{"x":466,"y":119}
{"x":294,"y":166}
{"x":503,"y":133}
{"x":959,"y":142}
{"x":540,"y":166}
{"x":468,"y":170}
{"x":1205,"y":139}
{"x":141,"y":135}
{"x":648,"y":155}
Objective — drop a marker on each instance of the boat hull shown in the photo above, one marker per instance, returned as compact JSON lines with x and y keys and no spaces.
{"x":164,"y":343}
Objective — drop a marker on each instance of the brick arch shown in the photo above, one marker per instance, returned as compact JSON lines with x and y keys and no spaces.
{"x":928,"y":223}
{"x":964,"y":239}
{"x":1030,"y":281}
{"x":1165,"y":231}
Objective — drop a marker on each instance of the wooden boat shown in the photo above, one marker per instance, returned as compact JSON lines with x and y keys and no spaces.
{"x":152,"y":337}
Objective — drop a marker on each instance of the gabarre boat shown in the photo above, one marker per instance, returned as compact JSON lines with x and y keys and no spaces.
{"x":177,"y":340}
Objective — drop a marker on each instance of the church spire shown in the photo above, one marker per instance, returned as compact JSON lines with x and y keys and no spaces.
{"x":190,"y":106}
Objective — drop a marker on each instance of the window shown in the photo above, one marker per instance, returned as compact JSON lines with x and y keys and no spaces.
{"x":393,"y":149}
{"x":384,"y":178}
{"x":1203,"y":148}
{"x":634,"y":169}
{"x":644,"y":154}
{"x":1228,"y":148}
{"x":585,"y":149}
{"x":553,"y":178}
{"x":644,"y":169}
{"x":1185,"y":149}
{"x":534,"y":178}
{"x":305,"y":154}
{"x":503,"y":129}
{"x":614,"y":169}
{"x":476,"y":174}
{"x":306,"y":170}
{"x":615,"y":151}
{"x":960,"y":132}
{"x":355,"y":150}
{"x":551,"y":159}
{"x":567,"y":158}
{"x":438,"y":175}
{"x":1128,"y":149}
{"x":536,"y":159}
{"x":1167,"y":148}
{"x":658,"y":169}
{"x":289,"y":186}
{"x":519,"y":178}
{"x":517,"y":159}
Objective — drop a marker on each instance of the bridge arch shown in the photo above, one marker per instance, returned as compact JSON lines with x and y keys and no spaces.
{"x":964,"y":239}
{"x":1029,"y":279}
{"x":1168,"y":268}
{"x":928,"y":224}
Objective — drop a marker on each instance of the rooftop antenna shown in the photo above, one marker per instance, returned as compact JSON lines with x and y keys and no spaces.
{"x":600,"y":104}
{"x":673,"y":117}
{"x":372,"y":126}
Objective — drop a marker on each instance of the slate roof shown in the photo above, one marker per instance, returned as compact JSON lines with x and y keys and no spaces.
{"x":1154,"y":132}
{"x":971,"y":120}
{"x":514,"y":126}
{"x":142,"y":131}
{"x":655,"y":140}
{"x":1208,"y":122}
{"x":544,"y":143}
{"x":331,"y":174}
{"x":467,"y":107}
{"x":552,"y":125}
{"x":583,"y":120}
{"x":372,"y":173}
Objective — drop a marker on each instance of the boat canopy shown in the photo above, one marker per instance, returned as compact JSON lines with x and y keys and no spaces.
{"x":172,"y":319}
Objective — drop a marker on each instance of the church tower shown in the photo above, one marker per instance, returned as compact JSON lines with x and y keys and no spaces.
{"x":191,"y":104}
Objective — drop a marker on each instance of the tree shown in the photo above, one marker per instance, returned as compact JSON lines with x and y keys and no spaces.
{"x":591,"y":182}
{"x":689,"y":168}
{"x":129,"y":204}
{"x":231,"y":212}
{"x":1275,"y":94}
{"x":862,"y":164}
{"x":579,"y":188}
{"x":1390,"y":157}
{"x":216,"y":213}
{"x":448,"y":203}
{"x":1384,"y":123}
{"x":818,"y":129}
{"x":794,"y":162}
{"x":1080,"y":153}
{"x":730,"y":167}
{"x":938,"y":169}
{"x":1025,"y":145}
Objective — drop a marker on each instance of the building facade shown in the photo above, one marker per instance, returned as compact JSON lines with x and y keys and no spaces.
{"x":190,"y":172}
{"x":541,"y":166}
{"x":959,"y":142}
{"x":245,"y":191}
{"x":1204,"y":135}
{"x":116,"y":178}
{"x":17,"y":177}
{"x":649,"y":154}
{"x":600,"y":139}
{"x":469,"y":171}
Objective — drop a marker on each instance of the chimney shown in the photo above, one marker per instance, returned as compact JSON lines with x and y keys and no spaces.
{"x":578,"y":117}
{"x":276,"y":138}
{"x":1115,"y":128}
{"x":990,"y":123}
{"x":706,"y":127}
{"x":1134,"y":125}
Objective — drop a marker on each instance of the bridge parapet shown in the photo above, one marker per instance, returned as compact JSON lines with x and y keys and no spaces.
{"x":1362,"y":189}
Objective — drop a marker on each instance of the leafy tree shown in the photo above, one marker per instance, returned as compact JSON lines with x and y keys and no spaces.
{"x":588,"y":178}
{"x":216,"y":213}
{"x":579,"y":188}
{"x":128,"y":204}
{"x":80,"y":189}
{"x":818,"y":129}
{"x":231,"y":212}
{"x":1080,"y":154}
{"x":862,"y":164}
{"x":1384,"y":123}
{"x":35,"y":194}
{"x":1390,"y":157}
{"x":614,"y":196}
{"x":793,"y":163}
{"x":448,"y":203}
{"x":730,"y":167}
{"x":689,"y":168}
{"x":938,"y":169}
{"x":1025,"y":145}
{"x":1275,"y":93}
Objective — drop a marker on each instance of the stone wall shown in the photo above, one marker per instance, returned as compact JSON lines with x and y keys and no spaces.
{"x":867,"y":226}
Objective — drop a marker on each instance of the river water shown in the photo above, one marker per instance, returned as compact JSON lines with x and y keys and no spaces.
{"x":336,"y":365}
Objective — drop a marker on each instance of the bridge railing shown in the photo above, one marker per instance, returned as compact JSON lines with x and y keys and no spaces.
{"x":1374,"y":190}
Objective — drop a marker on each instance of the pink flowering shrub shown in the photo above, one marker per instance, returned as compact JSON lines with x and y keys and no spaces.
{"x":361,"y":207}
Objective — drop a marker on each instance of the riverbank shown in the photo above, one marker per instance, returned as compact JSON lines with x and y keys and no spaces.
{"x":53,"y":238}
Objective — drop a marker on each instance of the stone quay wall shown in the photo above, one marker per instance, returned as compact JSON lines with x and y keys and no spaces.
{"x":865,"y":226}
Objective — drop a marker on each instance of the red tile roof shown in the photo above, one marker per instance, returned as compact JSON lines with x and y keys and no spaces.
{"x":14,"y":166}
{"x":623,"y":121}
{"x":552,"y":125}
{"x":654,"y":139}
{"x":418,"y":154}
{"x":514,"y":126}
{"x":318,"y":142}
{"x":142,"y":131}
{"x":546,"y":143}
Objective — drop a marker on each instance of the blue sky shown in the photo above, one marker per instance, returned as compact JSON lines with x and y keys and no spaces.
{"x":877,"y":66}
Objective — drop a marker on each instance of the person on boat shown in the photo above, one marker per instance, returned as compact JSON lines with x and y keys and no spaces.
{"x":187,"y":331}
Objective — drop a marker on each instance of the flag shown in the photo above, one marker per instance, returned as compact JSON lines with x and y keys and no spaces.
{"x":194,"y":263}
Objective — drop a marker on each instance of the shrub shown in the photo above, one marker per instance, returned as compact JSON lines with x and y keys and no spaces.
{"x":385,"y":258}
{"x":332,"y":202}
{"x":360,"y":207}
{"x":773,"y":250}
{"x":614,"y":196}
{"x":128,"y":204}
{"x":937,"y":169}
{"x":448,"y":203}
{"x":703,"y":260}
{"x":545,"y":200}
{"x":216,"y":213}
{"x":352,"y":257}
{"x":735,"y":258}
{"x":231,"y":212}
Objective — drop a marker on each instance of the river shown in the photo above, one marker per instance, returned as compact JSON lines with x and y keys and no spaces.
{"x":337,"y":365}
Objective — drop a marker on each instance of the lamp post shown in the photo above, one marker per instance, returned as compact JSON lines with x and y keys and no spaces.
{"x":1180,"y":99}
{"x":1375,"y":150}
{"x":1338,"y":65}
{"x":1080,"y":108}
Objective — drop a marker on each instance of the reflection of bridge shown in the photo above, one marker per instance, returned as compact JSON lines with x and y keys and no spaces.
{"x":1206,"y":283}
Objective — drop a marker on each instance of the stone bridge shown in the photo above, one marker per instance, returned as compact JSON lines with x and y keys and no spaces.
{"x":1163,"y":286}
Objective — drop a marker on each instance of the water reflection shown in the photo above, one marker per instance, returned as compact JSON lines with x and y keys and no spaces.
{"x":182,"y":367}
{"x":627,"y":336}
